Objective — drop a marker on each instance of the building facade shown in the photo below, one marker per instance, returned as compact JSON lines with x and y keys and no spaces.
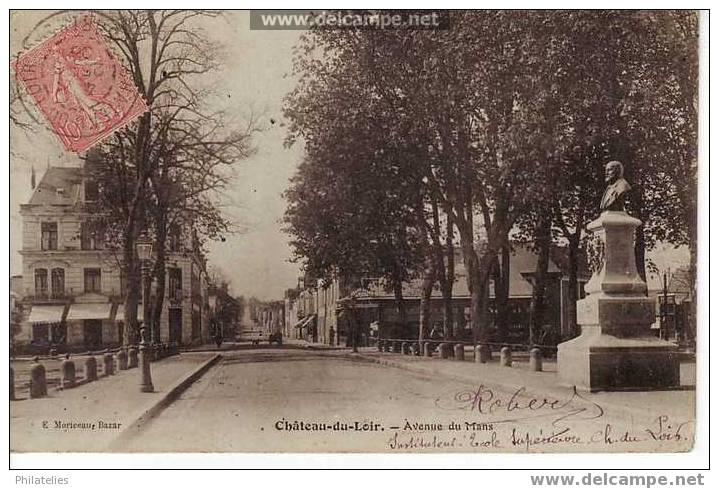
{"x":376,"y":314}
{"x":74,"y":290}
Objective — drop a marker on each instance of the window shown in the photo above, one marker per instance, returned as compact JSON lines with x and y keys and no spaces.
{"x":41,"y":282}
{"x":91,"y":191}
{"x":92,"y":281}
{"x":88,"y":239}
{"x":58,"y":283}
{"x":174,"y":240}
{"x":175,"y":283}
{"x":49,"y":236}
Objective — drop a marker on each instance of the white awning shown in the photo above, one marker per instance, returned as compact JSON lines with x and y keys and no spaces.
{"x":304,"y":322}
{"x":89,"y":311}
{"x":120,"y":315}
{"x":46,"y":314}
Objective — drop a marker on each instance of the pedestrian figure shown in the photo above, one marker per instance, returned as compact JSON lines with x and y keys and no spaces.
{"x":332,"y":335}
{"x":218,"y":335}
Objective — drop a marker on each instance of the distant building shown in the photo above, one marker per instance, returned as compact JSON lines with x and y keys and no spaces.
{"x":74,"y":290}
{"x":271,"y":316}
{"x":675,"y":307}
{"x":290,"y":326}
{"x":225,"y":312}
{"x":319,"y":305}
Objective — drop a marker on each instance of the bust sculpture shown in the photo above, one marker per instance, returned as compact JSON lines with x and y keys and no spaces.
{"x":615,"y":195}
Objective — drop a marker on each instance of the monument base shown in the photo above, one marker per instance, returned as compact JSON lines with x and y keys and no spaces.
{"x":602,"y":362}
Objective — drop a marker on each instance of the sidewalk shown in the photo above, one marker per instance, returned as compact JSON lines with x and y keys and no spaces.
{"x":247,"y":345}
{"x":675,"y":403}
{"x":310,"y":345}
{"x":90,"y":417}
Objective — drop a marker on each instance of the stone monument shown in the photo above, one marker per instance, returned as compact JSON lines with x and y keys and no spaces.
{"x":616,"y":349}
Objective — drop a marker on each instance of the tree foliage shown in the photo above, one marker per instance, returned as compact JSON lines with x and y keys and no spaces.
{"x":505,"y":118}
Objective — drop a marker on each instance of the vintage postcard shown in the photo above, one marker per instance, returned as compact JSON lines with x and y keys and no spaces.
{"x":354,"y":231}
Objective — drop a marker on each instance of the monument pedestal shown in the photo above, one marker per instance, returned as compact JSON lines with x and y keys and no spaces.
{"x":617,"y":350}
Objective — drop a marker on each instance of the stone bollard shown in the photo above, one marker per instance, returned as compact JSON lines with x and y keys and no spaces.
{"x":505,"y":356}
{"x":68,"y":373}
{"x":132,"y":357}
{"x":90,"y":369}
{"x":380,"y":345}
{"x":109,"y":364}
{"x":38,"y":382}
{"x":444,"y":350}
{"x":122,"y":360}
{"x":459,"y":352}
{"x":427,"y":346}
{"x":482,"y":353}
{"x":406,"y":348}
{"x":12,"y":384}
{"x":535,"y":360}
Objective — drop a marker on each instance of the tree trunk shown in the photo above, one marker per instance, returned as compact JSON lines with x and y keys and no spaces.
{"x":477,"y":276}
{"x":448,"y":283}
{"x":447,"y":311}
{"x":501,"y":293}
{"x":573,"y":284}
{"x":425,"y":303}
{"x":538,"y":307}
{"x":401,"y":309}
{"x":159,"y":273}
{"x":133,"y":289}
{"x":637,"y":206}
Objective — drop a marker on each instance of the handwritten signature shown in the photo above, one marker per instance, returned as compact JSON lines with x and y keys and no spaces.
{"x":520,"y":406}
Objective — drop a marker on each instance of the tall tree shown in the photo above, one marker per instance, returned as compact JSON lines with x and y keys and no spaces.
{"x":493,"y":109}
{"x":168,"y":55}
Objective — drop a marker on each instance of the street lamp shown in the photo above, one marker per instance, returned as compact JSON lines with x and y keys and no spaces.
{"x":144,"y":252}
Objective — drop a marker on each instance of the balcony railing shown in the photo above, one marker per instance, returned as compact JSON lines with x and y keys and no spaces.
{"x":57,"y":297}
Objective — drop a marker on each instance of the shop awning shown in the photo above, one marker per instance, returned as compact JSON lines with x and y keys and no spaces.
{"x":304,"y":322}
{"x":46,"y":314}
{"x":120,"y":315}
{"x":89,"y":311}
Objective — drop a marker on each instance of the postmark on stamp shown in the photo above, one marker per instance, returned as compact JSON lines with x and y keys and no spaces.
{"x":79,"y":86}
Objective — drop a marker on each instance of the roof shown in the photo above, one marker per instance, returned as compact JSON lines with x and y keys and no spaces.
{"x":522,"y":260}
{"x":66,"y":178}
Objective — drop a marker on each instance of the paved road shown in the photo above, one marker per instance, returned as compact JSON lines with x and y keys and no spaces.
{"x":298,"y":401}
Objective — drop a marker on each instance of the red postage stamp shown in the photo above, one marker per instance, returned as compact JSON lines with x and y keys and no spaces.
{"x":79,"y":85}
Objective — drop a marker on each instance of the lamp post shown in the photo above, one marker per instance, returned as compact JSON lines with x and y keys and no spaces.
{"x":144,"y":252}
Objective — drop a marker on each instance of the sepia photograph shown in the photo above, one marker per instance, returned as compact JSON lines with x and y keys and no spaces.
{"x":354,"y":231}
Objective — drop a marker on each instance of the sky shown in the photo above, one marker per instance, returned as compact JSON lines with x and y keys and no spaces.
{"x":255,"y":75}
